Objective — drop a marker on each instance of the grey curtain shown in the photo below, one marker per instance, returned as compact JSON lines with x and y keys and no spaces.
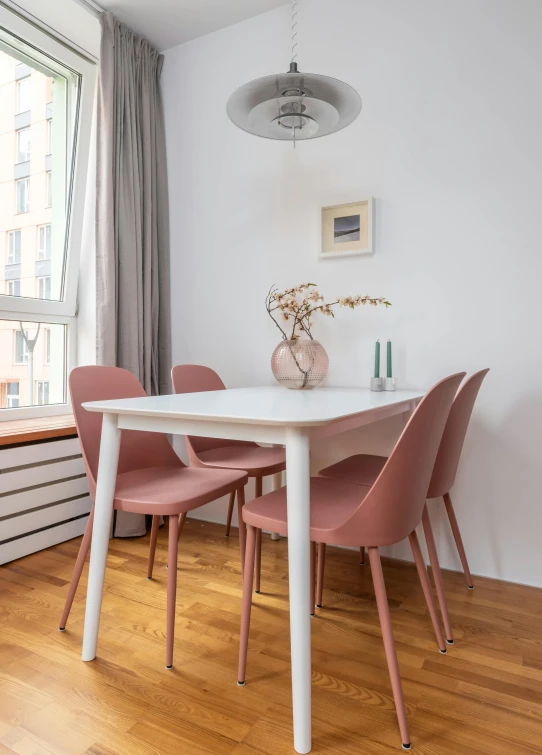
{"x":132,"y":225}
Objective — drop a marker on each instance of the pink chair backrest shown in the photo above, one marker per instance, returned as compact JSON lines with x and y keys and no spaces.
{"x":453,"y":438}
{"x":394,"y":506}
{"x":195,"y":378}
{"x":138,"y":450}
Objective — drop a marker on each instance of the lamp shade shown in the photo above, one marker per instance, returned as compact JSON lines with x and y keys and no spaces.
{"x":294,"y":105}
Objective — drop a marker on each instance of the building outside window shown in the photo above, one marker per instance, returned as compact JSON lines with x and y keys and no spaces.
{"x":14,"y":248}
{"x":39,"y":277}
{"x":42,"y":392}
{"x":23,"y":145}
{"x":44,"y":242}
{"x":22,"y":188}
{"x":12,"y":395}
{"x":24,"y":95}
{"x":13,"y":287}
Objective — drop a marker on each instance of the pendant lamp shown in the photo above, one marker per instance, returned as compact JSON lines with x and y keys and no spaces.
{"x":294,"y":105}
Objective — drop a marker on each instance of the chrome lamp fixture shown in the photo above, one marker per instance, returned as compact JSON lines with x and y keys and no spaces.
{"x":294,"y":105}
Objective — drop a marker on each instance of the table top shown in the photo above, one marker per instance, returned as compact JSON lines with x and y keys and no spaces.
{"x":264,"y":405}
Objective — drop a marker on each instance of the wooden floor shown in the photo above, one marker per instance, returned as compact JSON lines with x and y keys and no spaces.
{"x":485,"y":696}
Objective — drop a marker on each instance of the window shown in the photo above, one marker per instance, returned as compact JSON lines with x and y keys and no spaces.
{"x":14,"y":248}
{"x":13,"y":287}
{"x":44,"y":242}
{"x":37,"y":328}
{"x":24,"y":95}
{"x":42,"y":392}
{"x":22,"y":188}
{"x":49,"y":188}
{"x":23,"y":145}
{"x":12,"y":395}
{"x":44,"y":287}
{"x":21,"y":347}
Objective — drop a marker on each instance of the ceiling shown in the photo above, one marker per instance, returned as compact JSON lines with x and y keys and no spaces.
{"x":166,"y":23}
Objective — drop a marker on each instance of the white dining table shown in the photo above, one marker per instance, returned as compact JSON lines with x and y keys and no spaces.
{"x":270,"y":415}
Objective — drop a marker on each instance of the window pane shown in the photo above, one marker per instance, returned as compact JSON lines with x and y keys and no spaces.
{"x":35,"y":195}
{"x":24,"y":92}
{"x":32,"y":363}
{"x":23,"y":195}
{"x":13,"y":287}
{"x":23,"y":145}
{"x":14,"y":248}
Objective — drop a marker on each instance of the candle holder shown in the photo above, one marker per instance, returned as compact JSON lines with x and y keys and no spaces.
{"x":389,"y":384}
{"x":377,"y":384}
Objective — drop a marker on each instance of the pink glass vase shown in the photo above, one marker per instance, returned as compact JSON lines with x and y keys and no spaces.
{"x":300,"y":364}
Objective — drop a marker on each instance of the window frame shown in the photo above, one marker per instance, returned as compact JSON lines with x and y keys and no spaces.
{"x":11,"y":234}
{"x":18,"y":133}
{"x":25,"y":182}
{"x":43,"y":228}
{"x":24,"y":80}
{"x":49,"y":311}
{"x":13,"y":281}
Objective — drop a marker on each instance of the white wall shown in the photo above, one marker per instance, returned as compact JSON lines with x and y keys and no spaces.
{"x":449,"y":142}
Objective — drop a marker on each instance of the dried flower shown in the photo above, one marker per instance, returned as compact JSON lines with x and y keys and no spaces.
{"x":297,"y":305}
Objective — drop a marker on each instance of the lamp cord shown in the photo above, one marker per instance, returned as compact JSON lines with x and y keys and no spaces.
{"x":294,"y":30}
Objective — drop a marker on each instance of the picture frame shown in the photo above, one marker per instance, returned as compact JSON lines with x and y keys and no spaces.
{"x":346,"y":230}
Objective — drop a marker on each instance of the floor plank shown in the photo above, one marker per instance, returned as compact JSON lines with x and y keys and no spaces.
{"x":485,"y":696}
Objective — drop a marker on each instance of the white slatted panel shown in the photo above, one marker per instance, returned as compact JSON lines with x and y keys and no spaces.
{"x":45,"y":468}
{"x":40,"y":540}
{"x":35,"y":520}
{"x":38,"y":452}
{"x":25,"y":478}
{"x":32,"y":499}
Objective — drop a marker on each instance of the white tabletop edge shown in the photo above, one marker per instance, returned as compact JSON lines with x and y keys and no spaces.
{"x":260,"y":405}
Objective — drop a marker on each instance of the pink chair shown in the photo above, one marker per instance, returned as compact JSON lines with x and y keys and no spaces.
{"x":383,"y":514}
{"x":151,"y":478}
{"x":256,"y":461}
{"x":364,"y":469}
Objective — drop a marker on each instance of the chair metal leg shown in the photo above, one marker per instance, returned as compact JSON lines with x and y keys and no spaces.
{"x":458,"y":540}
{"x":152,"y":548}
{"x":171,"y":587}
{"x":258,"y":562}
{"x":426,"y":587}
{"x":230,"y":512}
{"x":320,"y":578}
{"x":246,"y":606}
{"x":242,"y":525}
{"x":437,"y":575}
{"x":258,"y":489}
{"x":77,"y":570}
{"x":389,"y":644}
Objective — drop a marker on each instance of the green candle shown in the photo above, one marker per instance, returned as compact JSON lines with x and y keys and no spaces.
{"x":377,"y":359}
{"x":388,"y":361}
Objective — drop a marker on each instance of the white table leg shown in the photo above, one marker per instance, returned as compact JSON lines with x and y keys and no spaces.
{"x":298,"y":501}
{"x":276,"y":482}
{"x":103,"y":512}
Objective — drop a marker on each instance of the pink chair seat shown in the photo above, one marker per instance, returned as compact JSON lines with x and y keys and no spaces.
{"x":173,"y":490}
{"x":361,"y":469}
{"x":255,"y":460}
{"x":269,"y":511}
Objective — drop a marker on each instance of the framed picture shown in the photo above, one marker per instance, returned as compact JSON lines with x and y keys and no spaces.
{"x":347,"y":229}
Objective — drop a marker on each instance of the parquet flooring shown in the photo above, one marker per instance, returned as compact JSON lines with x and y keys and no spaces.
{"x":483,"y":698}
